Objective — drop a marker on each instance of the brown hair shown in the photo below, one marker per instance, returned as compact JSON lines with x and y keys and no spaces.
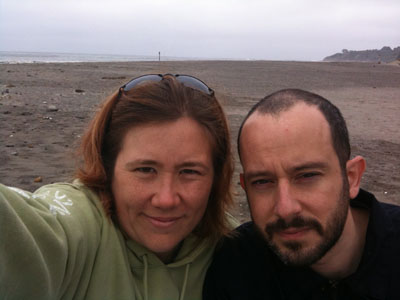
{"x":155,"y":102}
{"x":285,"y":99}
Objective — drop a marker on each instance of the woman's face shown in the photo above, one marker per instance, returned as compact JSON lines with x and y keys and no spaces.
{"x":162,"y":181}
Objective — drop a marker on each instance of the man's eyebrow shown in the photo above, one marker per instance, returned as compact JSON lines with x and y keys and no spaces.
{"x":301,"y":167}
{"x":254,"y":174}
{"x":309,"y":165}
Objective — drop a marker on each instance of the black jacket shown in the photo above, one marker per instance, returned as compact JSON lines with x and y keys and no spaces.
{"x":245,"y":268}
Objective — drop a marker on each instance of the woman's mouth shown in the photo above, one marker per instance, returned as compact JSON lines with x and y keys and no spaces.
{"x":163,"y":222}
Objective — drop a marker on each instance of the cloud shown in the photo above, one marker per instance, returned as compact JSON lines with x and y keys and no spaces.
{"x":274,"y":29}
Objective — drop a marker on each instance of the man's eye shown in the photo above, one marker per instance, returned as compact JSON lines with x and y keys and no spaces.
{"x":260,"y":182}
{"x":309,"y":175}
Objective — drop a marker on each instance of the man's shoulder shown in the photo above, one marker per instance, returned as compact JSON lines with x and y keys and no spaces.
{"x":392,"y":212}
{"x":245,"y":252}
{"x":379,"y":269}
{"x":385,"y":217}
{"x":244,"y":239}
{"x":385,"y":230}
{"x":241,"y":268}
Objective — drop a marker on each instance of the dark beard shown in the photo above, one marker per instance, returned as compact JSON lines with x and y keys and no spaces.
{"x":292,"y":253}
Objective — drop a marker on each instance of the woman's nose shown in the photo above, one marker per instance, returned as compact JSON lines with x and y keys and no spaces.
{"x":166,"y":196}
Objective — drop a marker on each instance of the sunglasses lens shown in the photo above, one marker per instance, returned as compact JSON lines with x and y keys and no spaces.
{"x":194,"y":83}
{"x":134,"y":82}
{"x":186,"y":80}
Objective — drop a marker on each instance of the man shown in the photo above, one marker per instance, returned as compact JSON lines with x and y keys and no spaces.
{"x":315,"y":234}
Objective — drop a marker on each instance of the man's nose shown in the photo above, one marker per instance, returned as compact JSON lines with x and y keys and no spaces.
{"x":286,"y":202}
{"x":166,"y":196}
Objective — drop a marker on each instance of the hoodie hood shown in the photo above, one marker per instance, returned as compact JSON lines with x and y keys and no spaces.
{"x":173,"y":280}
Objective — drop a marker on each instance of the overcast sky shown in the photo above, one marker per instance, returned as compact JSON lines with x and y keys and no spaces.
{"x":246,"y":29}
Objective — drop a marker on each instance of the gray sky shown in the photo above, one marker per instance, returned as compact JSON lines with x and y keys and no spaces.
{"x":246,"y":29}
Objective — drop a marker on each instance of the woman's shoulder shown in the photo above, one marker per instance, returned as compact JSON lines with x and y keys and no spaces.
{"x":62,"y":229}
{"x":61,"y":202}
{"x":63,"y":198}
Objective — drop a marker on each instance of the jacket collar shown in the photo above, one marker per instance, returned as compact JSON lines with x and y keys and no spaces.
{"x":371,"y":277}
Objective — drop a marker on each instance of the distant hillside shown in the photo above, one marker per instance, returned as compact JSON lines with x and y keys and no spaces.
{"x":386,"y":54}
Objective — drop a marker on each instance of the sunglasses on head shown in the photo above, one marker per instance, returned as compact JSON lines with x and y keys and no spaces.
{"x":186,"y":80}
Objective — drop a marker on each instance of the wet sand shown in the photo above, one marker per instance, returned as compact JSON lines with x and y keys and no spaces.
{"x":44,"y":109}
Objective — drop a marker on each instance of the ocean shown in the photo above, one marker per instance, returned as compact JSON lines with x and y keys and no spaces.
{"x":7,"y":57}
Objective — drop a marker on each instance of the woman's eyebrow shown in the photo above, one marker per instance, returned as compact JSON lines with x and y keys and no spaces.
{"x":189,"y":164}
{"x":134,"y":163}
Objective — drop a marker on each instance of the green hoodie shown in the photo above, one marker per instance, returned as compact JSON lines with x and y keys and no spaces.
{"x":57,"y":243}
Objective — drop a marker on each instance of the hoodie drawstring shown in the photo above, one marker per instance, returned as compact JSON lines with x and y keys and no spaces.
{"x":145,"y":277}
{"x":145,"y":280}
{"x":185,"y":279}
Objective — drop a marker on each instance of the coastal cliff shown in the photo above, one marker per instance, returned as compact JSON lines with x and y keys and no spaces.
{"x":386,"y":55}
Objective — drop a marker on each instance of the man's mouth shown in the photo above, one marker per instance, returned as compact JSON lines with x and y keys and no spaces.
{"x":293,"y":233}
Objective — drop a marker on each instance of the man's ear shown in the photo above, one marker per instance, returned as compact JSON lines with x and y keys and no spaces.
{"x":354,"y":170}
{"x":242,"y":181}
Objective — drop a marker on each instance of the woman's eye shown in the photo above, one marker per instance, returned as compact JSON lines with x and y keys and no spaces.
{"x":190,"y":172}
{"x":145,"y":170}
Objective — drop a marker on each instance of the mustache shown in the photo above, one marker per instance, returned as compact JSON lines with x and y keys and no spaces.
{"x":296,"y":222}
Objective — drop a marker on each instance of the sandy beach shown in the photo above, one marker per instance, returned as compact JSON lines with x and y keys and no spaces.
{"x":44,"y":108}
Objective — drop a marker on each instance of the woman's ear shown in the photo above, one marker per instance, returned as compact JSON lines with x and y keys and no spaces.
{"x":242,"y":182}
{"x":354,"y":170}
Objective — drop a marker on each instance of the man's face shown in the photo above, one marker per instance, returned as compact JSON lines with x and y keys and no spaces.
{"x":297,"y":194}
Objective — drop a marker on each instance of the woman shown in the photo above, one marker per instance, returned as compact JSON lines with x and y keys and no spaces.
{"x":142,"y":219}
